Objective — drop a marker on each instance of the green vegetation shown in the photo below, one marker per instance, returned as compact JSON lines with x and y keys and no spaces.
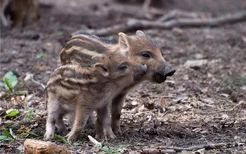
{"x":107,"y":149}
{"x":11,"y":113}
{"x":30,"y":115}
{"x":61,"y":139}
{"x":10,"y":82}
{"x":7,"y":135}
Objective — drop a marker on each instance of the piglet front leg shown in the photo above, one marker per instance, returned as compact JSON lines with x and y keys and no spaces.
{"x":103,"y":124}
{"x":81,"y":116}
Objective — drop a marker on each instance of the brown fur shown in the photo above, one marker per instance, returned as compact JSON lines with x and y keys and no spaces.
{"x":137,"y":47}
{"x":84,"y":90}
{"x":21,"y":12}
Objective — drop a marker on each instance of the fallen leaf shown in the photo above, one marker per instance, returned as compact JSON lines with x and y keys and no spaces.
{"x":162,"y":102}
{"x":16,"y":100}
{"x":23,"y":129}
{"x":48,"y":44}
{"x":40,"y":67}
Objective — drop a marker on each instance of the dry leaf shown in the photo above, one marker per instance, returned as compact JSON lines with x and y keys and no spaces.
{"x":162,"y":102}
{"x":23,"y":129}
{"x":16,"y":100}
{"x":48,"y":44}
{"x":40,"y":67}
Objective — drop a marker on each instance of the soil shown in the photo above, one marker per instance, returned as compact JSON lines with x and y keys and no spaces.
{"x":197,"y":106}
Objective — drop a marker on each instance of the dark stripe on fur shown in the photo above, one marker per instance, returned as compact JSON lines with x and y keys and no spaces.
{"x":87,"y":45}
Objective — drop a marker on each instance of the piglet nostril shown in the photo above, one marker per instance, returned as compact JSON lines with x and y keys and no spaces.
{"x":169,"y":71}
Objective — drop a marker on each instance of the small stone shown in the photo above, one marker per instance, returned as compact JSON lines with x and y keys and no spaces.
{"x":32,"y":103}
{"x":199,"y":56}
{"x":243,"y":88}
{"x":38,"y":147}
{"x":196,"y":64}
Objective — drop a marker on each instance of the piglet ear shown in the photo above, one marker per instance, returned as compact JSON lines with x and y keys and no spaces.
{"x":124,"y":44}
{"x":102,"y":69}
{"x":140,"y":33}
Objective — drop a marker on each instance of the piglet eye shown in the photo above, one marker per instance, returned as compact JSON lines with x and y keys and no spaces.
{"x":122,"y":67}
{"x":146,"y":55}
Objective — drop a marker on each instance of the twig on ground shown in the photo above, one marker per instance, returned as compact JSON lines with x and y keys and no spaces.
{"x":182,"y":14}
{"x":148,"y":11}
{"x":29,"y":77}
{"x":146,"y":4}
{"x":197,"y":147}
{"x":38,"y":83}
{"x":229,"y":18}
{"x":134,"y":24}
{"x":155,"y":151}
{"x":232,"y":109}
{"x":170,"y":149}
{"x":151,"y":10}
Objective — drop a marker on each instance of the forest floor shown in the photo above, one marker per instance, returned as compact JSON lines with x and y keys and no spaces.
{"x":199,"y":106}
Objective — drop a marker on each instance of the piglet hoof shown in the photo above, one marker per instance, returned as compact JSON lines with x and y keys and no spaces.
{"x":116,"y":129}
{"x":118,"y":133}
{"x":110,"y":136}
{"x":99,"y":137}
{"x":48,"y":136}
{"x":71,"y":136}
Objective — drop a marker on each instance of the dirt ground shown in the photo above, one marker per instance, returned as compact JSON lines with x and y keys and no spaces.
{"x":199,"y":105}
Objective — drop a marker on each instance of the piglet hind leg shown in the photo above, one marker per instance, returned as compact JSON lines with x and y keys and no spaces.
{"x":62,"y":130}
{"x":81,"y":116}
{"x":50,"y":128}
{"x":53,"y":111}
{"x":70,"y":118}
{"x":103,"y":125}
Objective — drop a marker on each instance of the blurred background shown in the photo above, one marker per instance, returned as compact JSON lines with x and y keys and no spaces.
{"x":205,"y":40}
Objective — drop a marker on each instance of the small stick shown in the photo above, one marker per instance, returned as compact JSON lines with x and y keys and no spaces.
{"x":197,"y":147}
{"x":180,"y":14}
{"x":134,"y":24}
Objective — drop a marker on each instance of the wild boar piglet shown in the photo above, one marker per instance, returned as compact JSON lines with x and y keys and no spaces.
{"x":141,"y":49}
{"x":82,"y":90}
{"x":20,"y":12}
